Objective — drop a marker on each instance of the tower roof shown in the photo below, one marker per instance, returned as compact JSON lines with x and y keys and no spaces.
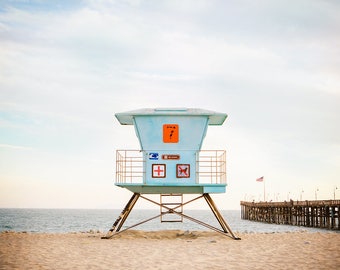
{"x":215,"y":118}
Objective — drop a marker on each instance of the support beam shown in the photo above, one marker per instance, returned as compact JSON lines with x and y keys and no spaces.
{"x":218,"y":215}
{"x":117,"y":225}
{"x":226,"y":230}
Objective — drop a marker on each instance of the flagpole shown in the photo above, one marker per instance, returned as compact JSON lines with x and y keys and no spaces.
{"x":261,"y":179}
{"x":264,"y":190}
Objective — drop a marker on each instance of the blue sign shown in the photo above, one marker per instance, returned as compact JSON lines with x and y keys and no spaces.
{"x":153,"y":156}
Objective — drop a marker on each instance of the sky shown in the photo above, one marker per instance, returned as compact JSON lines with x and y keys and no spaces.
{"x":66,"y":67}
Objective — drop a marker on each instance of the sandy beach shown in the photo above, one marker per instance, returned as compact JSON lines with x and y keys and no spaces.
{"x":169,"y":250}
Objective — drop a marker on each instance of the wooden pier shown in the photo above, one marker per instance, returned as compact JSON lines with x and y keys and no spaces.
{"x":317,"y":214}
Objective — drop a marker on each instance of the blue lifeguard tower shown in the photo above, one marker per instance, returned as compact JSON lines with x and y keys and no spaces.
{"x":171,"y":163}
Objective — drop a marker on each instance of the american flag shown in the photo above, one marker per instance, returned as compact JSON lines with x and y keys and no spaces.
{"x":259,"y":179}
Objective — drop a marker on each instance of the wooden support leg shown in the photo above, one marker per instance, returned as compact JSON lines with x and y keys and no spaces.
{"x":218,"y":216}
{"x":117,"y":225}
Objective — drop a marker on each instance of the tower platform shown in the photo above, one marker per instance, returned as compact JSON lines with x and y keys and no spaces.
{"x":168,"y":189}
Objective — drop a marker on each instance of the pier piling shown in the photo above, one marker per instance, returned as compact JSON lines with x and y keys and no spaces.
{"x":322,"y":214}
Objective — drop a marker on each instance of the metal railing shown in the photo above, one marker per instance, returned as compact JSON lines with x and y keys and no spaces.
{"x":129,"y":166}
{"x":210,"y":167}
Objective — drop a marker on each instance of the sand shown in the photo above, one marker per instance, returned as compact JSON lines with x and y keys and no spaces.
{"x":169,"y":250}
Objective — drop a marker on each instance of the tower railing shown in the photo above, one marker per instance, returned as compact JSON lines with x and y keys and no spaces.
{"x":210,"y":167}
{"x":129,"y":166}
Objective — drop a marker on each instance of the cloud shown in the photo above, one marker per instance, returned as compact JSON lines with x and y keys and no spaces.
{"x":15,"y":147}
{"x":273,"y":67}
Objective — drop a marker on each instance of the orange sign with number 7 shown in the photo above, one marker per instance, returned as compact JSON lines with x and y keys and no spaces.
{"x":170,"y":133}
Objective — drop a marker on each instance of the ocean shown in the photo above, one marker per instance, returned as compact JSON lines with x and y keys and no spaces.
{"x":85,"y":220}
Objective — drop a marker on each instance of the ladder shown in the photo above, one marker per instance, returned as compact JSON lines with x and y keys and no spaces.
{"x":170,"y":203}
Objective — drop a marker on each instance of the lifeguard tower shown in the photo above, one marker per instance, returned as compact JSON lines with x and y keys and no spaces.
{"x":171,"y":163}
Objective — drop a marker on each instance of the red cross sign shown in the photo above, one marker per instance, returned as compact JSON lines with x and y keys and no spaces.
{"x":158,"y":170}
